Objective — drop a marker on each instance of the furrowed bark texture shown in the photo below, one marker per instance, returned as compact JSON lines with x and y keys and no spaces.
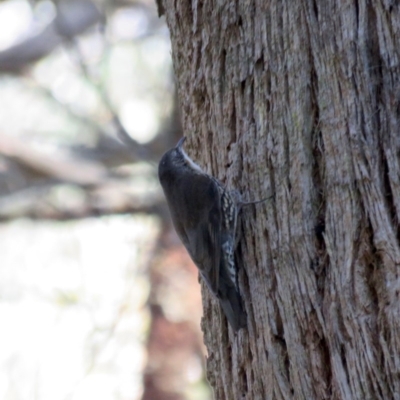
{"x":301,"y":99}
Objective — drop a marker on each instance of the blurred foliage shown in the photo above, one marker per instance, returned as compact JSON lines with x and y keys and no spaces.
{"x":86,"y":90}
{"x":96,"y":306}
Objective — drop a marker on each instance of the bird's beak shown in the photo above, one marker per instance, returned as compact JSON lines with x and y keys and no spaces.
{"x":180,"y":143}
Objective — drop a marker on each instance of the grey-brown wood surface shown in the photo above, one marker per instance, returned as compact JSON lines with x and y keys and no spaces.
{"x":301,"y":99}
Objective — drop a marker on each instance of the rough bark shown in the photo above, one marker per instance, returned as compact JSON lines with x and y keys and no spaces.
{"x":301,"y":98}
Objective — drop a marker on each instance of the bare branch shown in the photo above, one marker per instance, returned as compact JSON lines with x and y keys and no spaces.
{"x":73,"y":17}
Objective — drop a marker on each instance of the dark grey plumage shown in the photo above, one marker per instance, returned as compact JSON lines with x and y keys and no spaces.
{"x":204,"y":214}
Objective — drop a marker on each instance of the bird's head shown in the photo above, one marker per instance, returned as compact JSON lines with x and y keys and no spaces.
{"x":176,"y":161}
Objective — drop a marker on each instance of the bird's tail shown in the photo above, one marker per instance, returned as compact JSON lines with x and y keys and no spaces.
{"x":232,"y":306}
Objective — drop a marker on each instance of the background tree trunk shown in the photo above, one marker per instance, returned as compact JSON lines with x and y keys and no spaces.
{"x":301,"y":99}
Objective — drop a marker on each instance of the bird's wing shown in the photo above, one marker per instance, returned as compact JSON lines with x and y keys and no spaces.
{"x":205,"y":241}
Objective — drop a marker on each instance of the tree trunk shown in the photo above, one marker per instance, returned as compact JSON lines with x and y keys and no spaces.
{"x":301,"y":99}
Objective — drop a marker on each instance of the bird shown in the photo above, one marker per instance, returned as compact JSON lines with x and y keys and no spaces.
{"x":205,"y":214}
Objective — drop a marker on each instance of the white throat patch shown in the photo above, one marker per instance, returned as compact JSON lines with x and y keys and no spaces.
{"x":191,"y":163}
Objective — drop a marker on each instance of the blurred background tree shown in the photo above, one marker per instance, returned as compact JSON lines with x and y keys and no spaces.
{"x":97,"y":297}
